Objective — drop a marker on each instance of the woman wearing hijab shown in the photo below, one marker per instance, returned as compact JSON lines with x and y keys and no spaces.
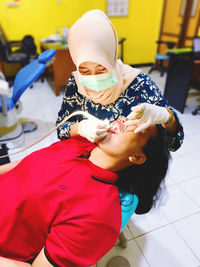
{"x":108,"y":89}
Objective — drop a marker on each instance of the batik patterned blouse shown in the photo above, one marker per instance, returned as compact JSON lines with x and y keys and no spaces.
{"x":141,"y":90}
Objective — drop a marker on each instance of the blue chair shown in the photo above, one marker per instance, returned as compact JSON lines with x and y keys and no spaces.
{"x":11,"y":132}
{"x":161,"y":58}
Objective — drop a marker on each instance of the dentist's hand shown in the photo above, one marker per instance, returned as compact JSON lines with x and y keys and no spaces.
{"x":147,"y":114}
{"x":93,"y":129}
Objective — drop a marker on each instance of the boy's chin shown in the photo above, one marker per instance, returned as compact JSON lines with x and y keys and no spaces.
{"x":106,"y":139}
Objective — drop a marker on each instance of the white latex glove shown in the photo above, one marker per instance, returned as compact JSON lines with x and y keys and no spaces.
{"x":93,"y":129}
{"x":147,"y":114}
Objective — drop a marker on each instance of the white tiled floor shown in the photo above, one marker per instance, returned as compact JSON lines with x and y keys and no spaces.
{"x":168,"y":236}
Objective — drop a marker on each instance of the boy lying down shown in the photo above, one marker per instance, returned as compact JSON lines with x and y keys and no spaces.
{"x":60,"y":205}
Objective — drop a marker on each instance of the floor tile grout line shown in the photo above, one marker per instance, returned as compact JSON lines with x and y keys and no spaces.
{"x":195,"y":213}
{"x":150,"y":231}
{"x":183,"y":181}
{"x":130,"y":231}
{"x":169,"y":222}
{"x":190,"y":196}
{"x":142,"y":252}
{"x":186,"y":243}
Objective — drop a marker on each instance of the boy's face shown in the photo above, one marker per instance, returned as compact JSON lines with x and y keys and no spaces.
{"x":126,"y":143}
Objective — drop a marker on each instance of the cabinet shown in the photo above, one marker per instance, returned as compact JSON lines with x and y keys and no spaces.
{"x":62,"y":66}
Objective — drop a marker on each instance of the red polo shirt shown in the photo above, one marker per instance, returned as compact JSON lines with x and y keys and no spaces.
{"x":58,"y":200}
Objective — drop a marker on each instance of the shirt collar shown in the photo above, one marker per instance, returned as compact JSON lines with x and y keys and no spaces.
{"x":103,"y":175}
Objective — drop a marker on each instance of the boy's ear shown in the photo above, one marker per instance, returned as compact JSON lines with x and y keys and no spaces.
{"x":137,"y":158}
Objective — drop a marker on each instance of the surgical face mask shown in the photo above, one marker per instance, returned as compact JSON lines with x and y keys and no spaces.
{"x":98,"y":82}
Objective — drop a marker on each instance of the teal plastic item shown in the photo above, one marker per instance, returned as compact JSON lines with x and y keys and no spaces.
{"x":129,"y":203}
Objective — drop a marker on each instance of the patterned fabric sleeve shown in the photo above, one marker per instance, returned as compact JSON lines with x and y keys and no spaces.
{"x":150,"y":93}
{"x":69,"y":105}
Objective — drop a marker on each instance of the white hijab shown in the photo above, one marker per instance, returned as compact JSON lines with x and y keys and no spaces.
{"x":94,"y":38}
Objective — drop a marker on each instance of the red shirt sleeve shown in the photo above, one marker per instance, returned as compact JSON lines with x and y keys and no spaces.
{"x":73,"y":245}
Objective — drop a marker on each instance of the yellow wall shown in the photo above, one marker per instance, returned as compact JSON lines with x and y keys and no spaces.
{"x":41,"y":18}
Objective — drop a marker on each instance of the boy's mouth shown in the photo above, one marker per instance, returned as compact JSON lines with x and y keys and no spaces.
{"x":118,"y":126}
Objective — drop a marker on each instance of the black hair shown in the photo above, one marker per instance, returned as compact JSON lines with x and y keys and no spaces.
{"x":145,"y":179}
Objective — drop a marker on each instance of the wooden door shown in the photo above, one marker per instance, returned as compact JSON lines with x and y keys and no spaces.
{"x":193,"y":23}
{"x":180,"y":22}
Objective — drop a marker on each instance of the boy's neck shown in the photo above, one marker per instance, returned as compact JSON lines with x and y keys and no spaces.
{"x":105,"y":161}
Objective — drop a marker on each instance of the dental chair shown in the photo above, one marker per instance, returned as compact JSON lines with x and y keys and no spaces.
{"x":129,"y":204}
{"x":11,"y":132}
{"x":10,"y":58}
